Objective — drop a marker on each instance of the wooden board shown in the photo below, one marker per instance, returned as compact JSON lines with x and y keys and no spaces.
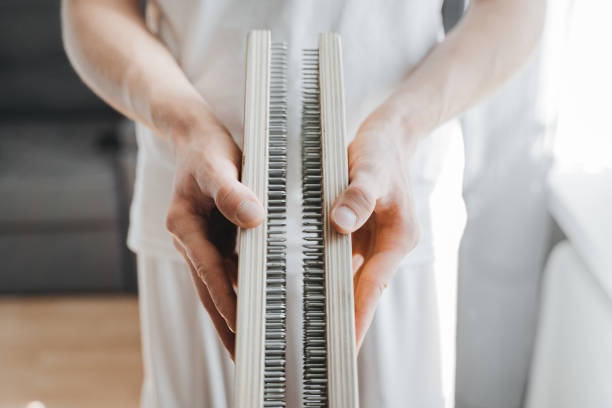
{"x":341,"y":348}
{"x":249,"y":374}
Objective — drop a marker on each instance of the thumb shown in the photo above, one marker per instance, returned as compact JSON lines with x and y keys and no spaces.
{"x":238,"y":204}
{"x":355,"y":205}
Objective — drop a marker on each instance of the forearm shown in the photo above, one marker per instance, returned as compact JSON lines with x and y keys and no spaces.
{"x":116,"y":55}
{"x":486,"y":48}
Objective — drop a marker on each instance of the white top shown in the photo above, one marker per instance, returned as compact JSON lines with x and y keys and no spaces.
{"x":381,"y":42}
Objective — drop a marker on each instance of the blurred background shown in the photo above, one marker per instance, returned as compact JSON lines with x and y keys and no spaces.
{"x":535,"y":268}
{"x":68,"y":311}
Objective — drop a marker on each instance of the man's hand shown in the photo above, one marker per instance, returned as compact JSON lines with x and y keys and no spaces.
{"x":208,"y":203}
{"x":377,"y":209}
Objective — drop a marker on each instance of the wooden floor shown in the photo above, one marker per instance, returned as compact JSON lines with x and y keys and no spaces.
{"x":69,"y":352}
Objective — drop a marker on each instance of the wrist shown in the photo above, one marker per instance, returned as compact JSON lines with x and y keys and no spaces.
{"x":192,"y":127}
{"x":182,"y":120}
{"x":394,"y":120}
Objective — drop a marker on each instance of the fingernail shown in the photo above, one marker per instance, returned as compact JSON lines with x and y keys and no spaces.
{"x":345,"y":217}
{"x":249,"y":212}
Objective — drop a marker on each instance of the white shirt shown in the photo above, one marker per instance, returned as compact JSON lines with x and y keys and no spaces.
{"x":408,"y":356}
{"x":381,"y":40}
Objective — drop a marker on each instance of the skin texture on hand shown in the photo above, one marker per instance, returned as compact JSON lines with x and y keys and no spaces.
{"x":112,"y":50}
{"x":207,"y":205}
{"x":377,"y":208}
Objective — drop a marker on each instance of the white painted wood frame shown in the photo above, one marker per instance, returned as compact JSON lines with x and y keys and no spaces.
{"x":250,"y":336}
{"x":341,"y":347}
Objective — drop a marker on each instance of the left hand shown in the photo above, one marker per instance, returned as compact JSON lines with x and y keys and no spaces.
{"x":377,"y":208}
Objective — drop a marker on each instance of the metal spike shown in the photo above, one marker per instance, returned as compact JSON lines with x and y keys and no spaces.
{"x":314,"y":391}
{"x":276,"y":282}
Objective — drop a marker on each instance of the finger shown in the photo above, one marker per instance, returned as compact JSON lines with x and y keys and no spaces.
{"x":355,"y":205}
{"x":227,"y":337}
{"x":372,"y":280}
{"x":231,"y":268}
{"x":210,"y":268}
{"x":190,"y":232}
{"x":238,"y":204}
{"x":396,"y":235}
{"x":357,"y":261}
{"x":218,"y":178}
{"x":223,"y":331}
{"x":362,"y":240}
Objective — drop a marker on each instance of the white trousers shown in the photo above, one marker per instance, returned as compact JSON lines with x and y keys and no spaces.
{"x":186,"y":365}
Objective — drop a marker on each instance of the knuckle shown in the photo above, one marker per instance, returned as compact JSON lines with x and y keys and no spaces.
{"x":178,"y":246}
{"x":208,"y":269}
{"x":201,"y":271}
{"x":377,"y":286}
{"x":222,"y":306}
{"x":202,"y":177}
{"x":361,"y":198}
{"x":409,"y":232}
{"x":366,"y":170}
{"x":227,"y":198}
{"x":211,"y":172}
{"x":410,"y":238}
{"x":416,"y":236}
{"x":413,"y":240}
{"x":173,"y":219}
{"x":206,"y":169}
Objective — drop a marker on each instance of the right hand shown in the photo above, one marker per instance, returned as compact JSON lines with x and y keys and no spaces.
{"x":208,"y":203}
